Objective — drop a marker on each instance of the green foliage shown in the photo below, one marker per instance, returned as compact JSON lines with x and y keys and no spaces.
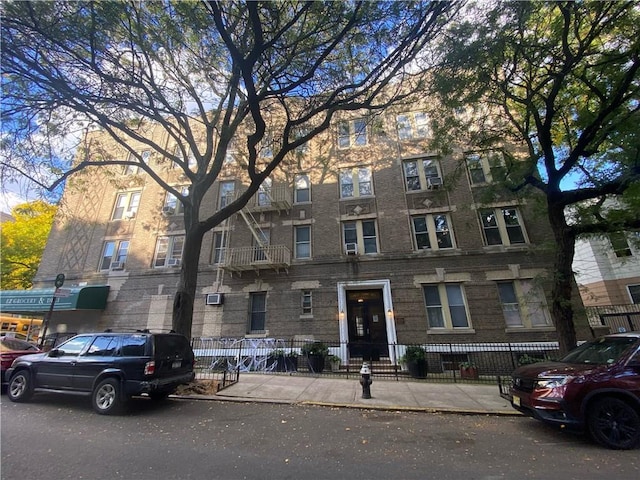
{"x":415,"y":353}
{"x":23,"y":242}
{"x":315,"y":348}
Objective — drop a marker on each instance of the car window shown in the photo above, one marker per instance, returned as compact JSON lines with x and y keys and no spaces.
{"x":603,"y":351}
{"x":133,"y":345}
{"x":171,"y":345}
{"x":102,"y":346}
{"x":74,"y":346}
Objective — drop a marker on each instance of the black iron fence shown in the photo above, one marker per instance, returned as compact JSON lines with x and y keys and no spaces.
{"x":224,"y":359}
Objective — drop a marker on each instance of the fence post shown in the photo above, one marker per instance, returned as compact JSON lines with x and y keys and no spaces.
{"x":513,"y":362}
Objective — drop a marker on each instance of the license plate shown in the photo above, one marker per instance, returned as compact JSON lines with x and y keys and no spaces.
{"x":516,"y":400}
{"x":176,"y":364}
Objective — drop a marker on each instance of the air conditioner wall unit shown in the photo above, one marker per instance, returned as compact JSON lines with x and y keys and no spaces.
{"x":116,"y":266}
{"x":168,"y":210}
{"x":214,"y":299}
{"x":433,"y":182}
{"x":129,"y":214}
{"x":351,"y":248}
{"x":174,"y":262}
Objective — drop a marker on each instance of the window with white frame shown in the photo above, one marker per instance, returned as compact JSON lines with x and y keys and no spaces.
{"x":352,"y":133}
{"x":307,"y":304}
{"x":297,"y":134}
{"x":168,"y":251}
{"x":620,"y":244}
{"x":432,"y":231}
{"x":302,"y":188}
{"x":132,"y":169}
{"x":446,"y":306}
{"x":502,"y":226}
{"x":266,"y":146}
{"x":523,"y":304}
{"x":259,"y":252}
{"x":171,"y":204}
{"x":257,"y":312}
{"x":634,"y":293}
{"x":264,"y":192}
{"x":219,"y":247}
{"x":114,"y":255}
{"x":485,"y":167}
{"x":227,"y":193}
{"x":420,"y":174}
{"x":126,"y":205}
{"x":360,"y":235}
{"x":412,"y":125}
{"x":303,"y":241}
{"x":356,"y":182}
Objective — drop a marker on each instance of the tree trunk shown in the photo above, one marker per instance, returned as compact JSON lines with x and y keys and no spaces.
{"x":561,"y":293}
{"x":186,"y":292}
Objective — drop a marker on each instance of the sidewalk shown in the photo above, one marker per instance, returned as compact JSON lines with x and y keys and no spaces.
{"x":386,"y":394}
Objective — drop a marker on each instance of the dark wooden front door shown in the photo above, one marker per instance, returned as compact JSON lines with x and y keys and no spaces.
{"x":367,"y":324}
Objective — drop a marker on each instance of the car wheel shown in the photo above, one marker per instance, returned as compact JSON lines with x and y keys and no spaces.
{"x":106,"y":397}
{"x":614,"y":423}
{"x":20,"y":388}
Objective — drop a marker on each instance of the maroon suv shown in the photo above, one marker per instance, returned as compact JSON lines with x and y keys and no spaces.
{"x":595,"y":387}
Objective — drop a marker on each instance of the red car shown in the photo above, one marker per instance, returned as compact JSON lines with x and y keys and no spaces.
{"x":596,"y":387}
{"x":12,"y":348}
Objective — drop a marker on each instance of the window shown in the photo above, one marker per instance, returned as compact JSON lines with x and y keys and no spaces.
{"x":103,"y":346}
{"x":259,"y":253}
{"x":192,"y":163}
{"x":432,"y":232}
{"x":485,"y":167}
{"x":219,"y":246}
{"x":362,"y":233}
{"x":356,"y":182}
{"x":620,"y":244}
{"x":227,"y":193}
{"x":502,"y":226}
{"x":417,"y":173}
{"x":446,"y":307}
{"x":114,"y":254}
{"x":352,"y":133}
{"x":135,"y":169}
{"x":126,"y":205}
{"x":303,"y":241}
{"x":258,"y":312}
{"x":302,"y":188}
{"x":298,"y":134}
{"x":74,"y":346}
{"x":307,"y":302}
{"x":168,"y":251}
{"x":634,"y":293}
{"x":171,"y":204}
{"x":264,"y":193}
{"x":266,"y":146}
{"x":412,"y":125}
{"x":523,"y":304}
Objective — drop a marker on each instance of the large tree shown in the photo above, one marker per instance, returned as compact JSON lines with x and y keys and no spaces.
{"x":23,"y":241}
{"x":208,"y":74}
{"x":562,"y":79}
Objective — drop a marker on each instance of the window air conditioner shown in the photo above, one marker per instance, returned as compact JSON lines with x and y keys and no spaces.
{"x":116,"y":266}
{"x":129,"y":214}
{"x":173,"y":262}
{"x":434,"y":182}
{"x":168,"y":210}
{"x":351,"y":248}
{"x":214,"y":298}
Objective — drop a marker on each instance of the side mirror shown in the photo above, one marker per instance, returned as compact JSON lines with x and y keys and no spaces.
{"x":55,"y":353}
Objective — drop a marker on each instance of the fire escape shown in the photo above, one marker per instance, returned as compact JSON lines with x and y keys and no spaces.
{"x":262,"y":255}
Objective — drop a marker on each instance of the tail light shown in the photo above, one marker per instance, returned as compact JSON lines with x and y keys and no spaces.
{"x":150,"y":368}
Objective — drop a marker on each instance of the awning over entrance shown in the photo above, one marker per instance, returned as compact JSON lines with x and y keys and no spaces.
{"x":91,"y":297}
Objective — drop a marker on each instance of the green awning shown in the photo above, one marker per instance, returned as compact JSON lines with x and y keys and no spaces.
{"x":91,"y":297}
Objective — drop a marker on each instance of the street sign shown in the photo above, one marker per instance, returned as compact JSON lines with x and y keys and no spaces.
{"x":62,"y":293}
{"x":59,"y":280}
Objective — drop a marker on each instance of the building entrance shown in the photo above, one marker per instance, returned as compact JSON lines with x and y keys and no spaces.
{"x":367,"y":324}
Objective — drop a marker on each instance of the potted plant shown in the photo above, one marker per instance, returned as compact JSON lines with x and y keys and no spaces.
{"x":468,"y":370}
{"x":416,"y":358}
{"x":316,"y":353}
{"x":284,"y":362}
{"x":335,"y":363}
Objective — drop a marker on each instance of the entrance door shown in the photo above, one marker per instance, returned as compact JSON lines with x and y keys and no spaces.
{"x":367,"y":324}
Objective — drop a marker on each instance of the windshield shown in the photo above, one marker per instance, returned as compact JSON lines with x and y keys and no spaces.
{"x":603,"y":351}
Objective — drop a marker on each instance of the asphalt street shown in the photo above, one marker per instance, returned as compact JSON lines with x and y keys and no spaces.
{"x":58,"y":438}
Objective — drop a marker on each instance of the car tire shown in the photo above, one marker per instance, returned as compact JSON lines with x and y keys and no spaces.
{"x":20,"y":388}
{"x":107,"y":398}
{"x":614,"y":423}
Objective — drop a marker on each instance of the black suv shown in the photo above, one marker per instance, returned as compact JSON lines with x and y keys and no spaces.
{"x":595,"y":387}
{"x":110,"y":367}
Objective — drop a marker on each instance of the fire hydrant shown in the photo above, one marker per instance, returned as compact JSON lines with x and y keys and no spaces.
{"x":365,"y":380}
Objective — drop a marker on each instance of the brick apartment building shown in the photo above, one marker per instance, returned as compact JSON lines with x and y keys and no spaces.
{"x":363,"y":236}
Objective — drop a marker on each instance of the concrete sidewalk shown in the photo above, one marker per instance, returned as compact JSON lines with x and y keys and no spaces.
{"x":386,"y":394}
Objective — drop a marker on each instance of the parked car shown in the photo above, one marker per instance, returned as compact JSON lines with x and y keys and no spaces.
{"x":109,"y":367}
{"x":596,"y":387}
{"x":10,"y":349}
